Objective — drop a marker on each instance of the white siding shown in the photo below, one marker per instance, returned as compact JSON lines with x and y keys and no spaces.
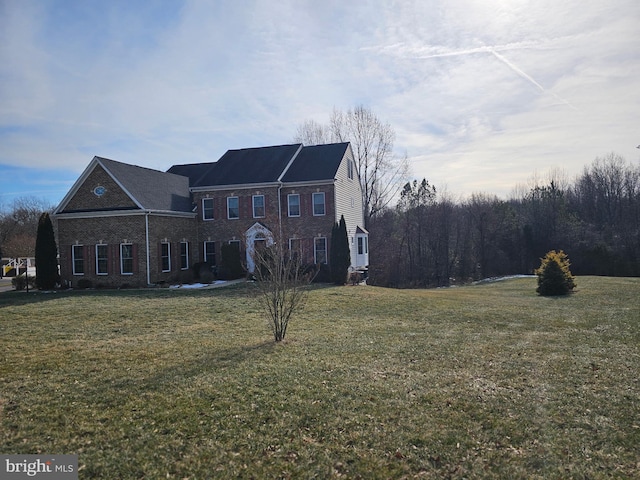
{"x":348,"y":201}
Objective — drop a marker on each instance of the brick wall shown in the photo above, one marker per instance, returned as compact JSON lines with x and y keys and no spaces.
{"x":305,"y":227}
{"x":113,"y":197}
{"x":115,"y":230}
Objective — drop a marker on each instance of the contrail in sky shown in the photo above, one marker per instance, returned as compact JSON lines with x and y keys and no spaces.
{"x":439,"y":52}
{"x":527,"y":77}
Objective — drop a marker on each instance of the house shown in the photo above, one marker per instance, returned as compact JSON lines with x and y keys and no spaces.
{"x":124,"y":224}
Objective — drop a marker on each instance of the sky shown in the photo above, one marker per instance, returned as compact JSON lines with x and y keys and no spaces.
{"x":483,"y":95}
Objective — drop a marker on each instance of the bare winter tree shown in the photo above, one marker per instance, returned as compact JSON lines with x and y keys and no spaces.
{"x":382,"y":173}
{"x":19,"y":225}
{"x":282,"y":282}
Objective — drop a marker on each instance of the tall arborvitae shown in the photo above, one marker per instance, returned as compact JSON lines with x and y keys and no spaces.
{"x":46,"y":254}
{"x":339,"y":255}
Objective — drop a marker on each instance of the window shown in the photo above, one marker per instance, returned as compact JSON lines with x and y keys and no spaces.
{"x":363,"y":245}
{"x":258,"y":206}
{"x":294,"y":204}
{"x":126,"y":258}
{"x":350,"y":168}
{"x":184,"y":255}
{"x":233,"y":207}
{"x":207,"y":208}
{"x":295,"y":248}
{"x":318,"y":203}
{"x":210,"y":253}
{"x":320,"y":250}
{"x":102,"y":259}
{"x":165,"y":256}
{"x":77,"y":256}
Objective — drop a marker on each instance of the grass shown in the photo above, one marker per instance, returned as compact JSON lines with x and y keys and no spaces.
{"x":485,"y":381}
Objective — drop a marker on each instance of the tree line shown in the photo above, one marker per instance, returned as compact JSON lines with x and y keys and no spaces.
{"x":430,"y":240}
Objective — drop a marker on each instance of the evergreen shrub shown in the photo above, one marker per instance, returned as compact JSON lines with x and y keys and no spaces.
{"x":554,"y":276}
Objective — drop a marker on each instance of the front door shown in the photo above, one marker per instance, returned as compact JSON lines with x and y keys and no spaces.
{"x":258,"y":236}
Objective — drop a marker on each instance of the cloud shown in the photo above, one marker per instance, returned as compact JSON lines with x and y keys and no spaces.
{"x":481,"y":94}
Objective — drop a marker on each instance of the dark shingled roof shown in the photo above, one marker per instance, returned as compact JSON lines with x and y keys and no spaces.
{"x":153,"y":189}
{"x":317,"y":162}
{"x":192,"y":170}
{"x":249,"y":165}
{"x":266,"y":165}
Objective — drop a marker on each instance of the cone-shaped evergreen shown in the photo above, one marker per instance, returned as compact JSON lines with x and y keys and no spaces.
{"x":46,"y":254}
{"x":339,"y":255}
{"x":554,"y":276}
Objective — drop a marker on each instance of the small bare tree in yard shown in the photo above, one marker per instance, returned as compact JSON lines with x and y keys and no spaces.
{"x":283,"y":284}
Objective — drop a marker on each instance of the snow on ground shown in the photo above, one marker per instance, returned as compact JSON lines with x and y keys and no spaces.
{"x":500,"y":279}
{"x":199,"y":285}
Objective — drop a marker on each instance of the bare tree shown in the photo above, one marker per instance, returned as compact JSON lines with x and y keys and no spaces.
{"x":311,"y":132}
{"x":19,"y":224}
{"x":382,"y":173}
{"x":283,"y":285}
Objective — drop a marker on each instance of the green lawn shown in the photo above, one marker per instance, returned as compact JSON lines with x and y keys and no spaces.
{"x":485,"y":381}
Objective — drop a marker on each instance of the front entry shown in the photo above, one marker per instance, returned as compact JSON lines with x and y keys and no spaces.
{"x":256,"y":237}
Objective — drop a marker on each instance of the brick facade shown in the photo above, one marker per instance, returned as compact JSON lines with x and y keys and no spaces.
{"x":133,"y":235}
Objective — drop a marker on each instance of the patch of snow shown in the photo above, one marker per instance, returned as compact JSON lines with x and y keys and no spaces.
{"x":198,"y":285}
{"x":500,"y":279}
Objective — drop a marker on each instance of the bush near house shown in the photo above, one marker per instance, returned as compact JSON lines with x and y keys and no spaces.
{"x":554,"y":276}
{"x":19,"y":282}
{"x":230,"y":264}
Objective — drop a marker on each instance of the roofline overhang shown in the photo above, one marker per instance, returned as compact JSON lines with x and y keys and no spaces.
{"x":247,"y":186}
{"x":235,"y":186}
{"x":312,"y":183}
{"x":122,"y":213}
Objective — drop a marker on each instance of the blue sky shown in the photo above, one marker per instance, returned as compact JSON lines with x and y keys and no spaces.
{"x":483,"y":95}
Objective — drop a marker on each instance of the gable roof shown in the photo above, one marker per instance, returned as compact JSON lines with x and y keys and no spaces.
{"x":249,"y":165}
{"x":149,"y":189}
{"x":316,"y":162}
{"x":281,"y":163}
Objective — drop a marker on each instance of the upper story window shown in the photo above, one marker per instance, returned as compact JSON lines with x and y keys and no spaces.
{"x":207,"y":208}
{"x":102,"y":259}
{"x":350,"y":168}
{"x":126,"y":258}
{"x":165,"y":256}
{"x":258,"y":206}
{"x":77,"y":256}
{"x":293,"y":201}
{"x":233,"y":207}
{"x":318,"y":203}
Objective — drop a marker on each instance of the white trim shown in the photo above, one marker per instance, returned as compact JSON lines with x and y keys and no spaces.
{"x":324,"y":204}
{"x":293,"y":157}
{"x":235,"y":186}
{"x":315,"y":251}
{"x":204,"y":250}
{"x":253,"y":206}
{"x":123,"y":213}
{"x":73,"y":259}
{"x":186,"y":244}
{"x":238,"y":199}
{"x":168,"y":244}
{"x":213,"y":206}
{"x":122,"y":272}
{"x":251,"y":235}
{"x":289,"y":205}
{"x":98,"y":258}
